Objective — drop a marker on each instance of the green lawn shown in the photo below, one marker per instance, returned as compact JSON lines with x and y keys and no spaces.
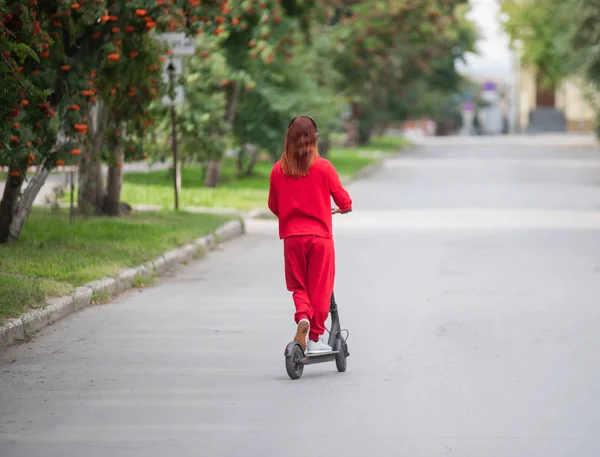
{"x":53,"y":257}
{"x":156,"y":188}
{"x":20,"y":293}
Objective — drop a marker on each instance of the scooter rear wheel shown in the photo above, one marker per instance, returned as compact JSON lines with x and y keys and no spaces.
{"x":293,"y":363}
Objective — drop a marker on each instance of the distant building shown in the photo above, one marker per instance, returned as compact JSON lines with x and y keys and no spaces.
{"x":564,"y":108}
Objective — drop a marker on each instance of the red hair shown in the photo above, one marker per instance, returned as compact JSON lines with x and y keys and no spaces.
{"x":300,"y":150}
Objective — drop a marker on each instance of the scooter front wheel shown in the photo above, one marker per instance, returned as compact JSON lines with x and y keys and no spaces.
{"x":293,"y":362}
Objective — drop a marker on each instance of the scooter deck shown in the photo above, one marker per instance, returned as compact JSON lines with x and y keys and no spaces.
{"x":312,"y":355}
{"x":320,"y":357}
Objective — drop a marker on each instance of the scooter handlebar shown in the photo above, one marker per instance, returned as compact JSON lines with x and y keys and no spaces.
{"x":338,"y":211}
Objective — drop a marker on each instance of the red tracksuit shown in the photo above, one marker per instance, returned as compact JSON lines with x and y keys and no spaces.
{"x":303,"y":207}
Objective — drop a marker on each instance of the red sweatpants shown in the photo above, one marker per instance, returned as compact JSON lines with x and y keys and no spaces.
{"x":309,"y":275}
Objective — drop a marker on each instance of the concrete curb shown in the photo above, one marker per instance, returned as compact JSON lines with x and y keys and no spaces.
{"x":24,"y":327}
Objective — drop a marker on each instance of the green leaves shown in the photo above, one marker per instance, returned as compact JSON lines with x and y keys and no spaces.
{"x":544,"y":32}
{"x":22,"y":51}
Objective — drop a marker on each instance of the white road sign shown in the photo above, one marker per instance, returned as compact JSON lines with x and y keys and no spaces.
{"x":175,"y":64}
{"x":179,"y":97}
{"x":180,"y":44}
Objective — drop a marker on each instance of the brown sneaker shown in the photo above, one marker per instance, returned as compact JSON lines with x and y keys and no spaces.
{"x":302,"y":334}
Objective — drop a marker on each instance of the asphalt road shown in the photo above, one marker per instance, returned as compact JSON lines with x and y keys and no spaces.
{"x":468,"y":276}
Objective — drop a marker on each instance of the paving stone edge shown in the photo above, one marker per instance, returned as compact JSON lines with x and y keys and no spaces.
{"x":23,"y":327}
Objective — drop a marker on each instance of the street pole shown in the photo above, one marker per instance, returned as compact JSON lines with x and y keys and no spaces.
{"x":72,"y":206}
{"x":174,"y":140}
{"x":174,"y":150}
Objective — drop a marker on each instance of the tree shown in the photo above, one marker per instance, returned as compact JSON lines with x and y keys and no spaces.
{"x":290,"y":88}
{"x":260,"y":37}
{"x":29,"y":131}
{"x":97,"y":65}
{"x":69,"y":52}
{"x":558,"y":39}
{"x":129,"y":73}
{"x":544,"y":29}
{"x":202,"y":131}
{"x":387,"y":47}
{"x":586,"y":42}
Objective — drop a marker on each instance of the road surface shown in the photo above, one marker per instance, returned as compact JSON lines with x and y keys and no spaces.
{"x":468,"y":276}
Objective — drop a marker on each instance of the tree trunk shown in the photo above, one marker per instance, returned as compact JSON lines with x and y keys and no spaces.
{"x":364,"y":135}
{"x":27,"y":199}
{"x":239,"y":164}
{"x":251,"y":161}
{"x":204,"y":169}
{"x":90,"y":198}
{"x":233,"y":95}
{"x":90,"y":194}
{"x":324,"y":145}
{"x":380,"y":128}
{"x":112,"y":199}
{"x":8,"y":205}
{"x":212,"y":173}
{"x":352,"y":133}
{"x":179,"y":177}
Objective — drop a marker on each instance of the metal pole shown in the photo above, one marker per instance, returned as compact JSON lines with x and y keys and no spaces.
{"x":72,"y":209}
{"x":171,"y":70}
{"x":174,"y":150}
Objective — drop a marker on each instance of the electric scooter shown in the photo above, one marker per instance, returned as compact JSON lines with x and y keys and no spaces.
{"x":295,"y":359}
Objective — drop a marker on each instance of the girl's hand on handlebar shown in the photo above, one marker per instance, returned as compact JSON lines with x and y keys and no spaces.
{"x":339,"y":211}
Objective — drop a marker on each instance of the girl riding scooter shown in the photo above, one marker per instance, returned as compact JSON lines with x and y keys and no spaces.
{"x":301,"y":186}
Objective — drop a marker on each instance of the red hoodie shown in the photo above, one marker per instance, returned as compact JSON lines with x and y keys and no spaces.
{"x":303,"y":204}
